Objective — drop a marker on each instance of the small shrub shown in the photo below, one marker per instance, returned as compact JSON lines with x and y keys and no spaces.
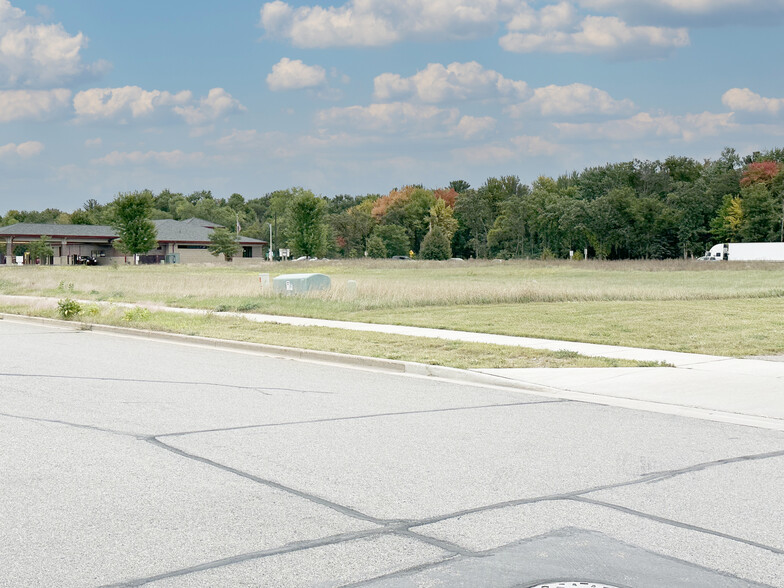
{"x":68,"y":308}
{"x":436,"y":245}
{"x":376,"y":247}
{"x":91,"y":310}
{"x":578,"y":256}
{"x":136,"y":314}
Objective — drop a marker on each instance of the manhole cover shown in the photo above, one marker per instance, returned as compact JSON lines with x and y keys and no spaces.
{"x":577,"y":584}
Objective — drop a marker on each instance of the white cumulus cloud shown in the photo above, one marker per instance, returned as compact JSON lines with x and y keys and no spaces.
{"x":133,"y":101}
{"x":645,"y":125}
{"x":470,"y":127}
{"x":423,"y":121}
{"x":217,"y":104}
{"x":693,"y":12}
{"x":293,"y":74}
{"x":456,"y":81}
{"x":748,"y":101}
{"x":607,"y":35}
{"x":555,"y":27}
{"x":570,"y":100}
{"x":369,"y":23}
{"x":40,"y":55}
{"x":32,"y":104}
{"x":21,"y":150}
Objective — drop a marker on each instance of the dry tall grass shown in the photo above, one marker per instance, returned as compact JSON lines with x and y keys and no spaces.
{"x":389,"y":284}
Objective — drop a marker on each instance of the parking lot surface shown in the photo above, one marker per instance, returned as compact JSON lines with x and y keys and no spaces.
{"x":130,"y":462}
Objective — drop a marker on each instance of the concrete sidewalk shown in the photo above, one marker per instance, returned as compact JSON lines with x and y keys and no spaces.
{"x":590,"y":349}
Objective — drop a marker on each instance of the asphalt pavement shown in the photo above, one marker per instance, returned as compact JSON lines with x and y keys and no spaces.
{"x":129,"y":461}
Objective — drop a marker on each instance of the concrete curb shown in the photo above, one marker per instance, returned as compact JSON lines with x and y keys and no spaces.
{"x":358,"y":361}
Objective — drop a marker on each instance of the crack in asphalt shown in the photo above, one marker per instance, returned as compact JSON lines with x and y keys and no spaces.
{"x":675,"y":523}
{"x":261,"y":389}
{"x":359,"y":417}
{"x":646,"y":478}
{"x":74,"y":425}
{"x":385,"y":526}
{"x":227,"y":561}
{"x":345,"y":510}
{"x":403,"y":527}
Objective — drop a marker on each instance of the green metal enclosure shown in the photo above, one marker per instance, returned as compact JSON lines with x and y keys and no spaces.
{"x":300,"y":283}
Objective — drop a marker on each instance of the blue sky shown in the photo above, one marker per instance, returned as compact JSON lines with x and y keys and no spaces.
{"x":100,"y":97}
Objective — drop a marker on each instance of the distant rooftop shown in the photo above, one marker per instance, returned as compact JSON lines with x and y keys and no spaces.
{"x":189,"y":231}
{"x":202,"y":223}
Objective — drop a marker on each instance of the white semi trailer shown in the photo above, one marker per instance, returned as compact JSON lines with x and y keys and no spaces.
{"x":746,"y":252}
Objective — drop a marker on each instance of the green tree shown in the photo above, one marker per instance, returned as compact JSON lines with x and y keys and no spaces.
{"x":352,"y":227}
{"x":416,"y":217}
{"x":691,"y":209}
{"x":394,"y":237}
{"x":459,"y":186}
{"x":223,"y":241}
{"x":131,"y":219}
{"x":474,"y":210}
{"x":726,"y":225}
{"x":436,"y":245}
{"x":761,"y":214}
{"x":507,"y":237}
{"x":40,"y":250}
{"x":307,"y":222}
{"x":376,"y":247}
{"x":443,"y":216}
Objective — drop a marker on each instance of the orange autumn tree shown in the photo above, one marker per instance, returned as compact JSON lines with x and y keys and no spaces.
{"x":394,"y":198}
{"x":448,"y":195}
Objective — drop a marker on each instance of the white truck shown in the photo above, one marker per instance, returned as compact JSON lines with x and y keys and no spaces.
{"x":745,"y":252}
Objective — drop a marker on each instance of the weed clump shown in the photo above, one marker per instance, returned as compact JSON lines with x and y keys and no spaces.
{"x":136,"y":314}
{"x":68,"y":308}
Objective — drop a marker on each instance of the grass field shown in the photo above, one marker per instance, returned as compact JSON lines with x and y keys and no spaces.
{"x":718,"y":308}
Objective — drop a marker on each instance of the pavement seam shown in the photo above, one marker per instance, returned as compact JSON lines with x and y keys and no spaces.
{"x":358,"y":417}
{"x":401,"y":573}
{"x":227,"y":561}
{"x":453,"y":548}
{"x":646,"y":478}
{"x":260,"y":389}
{"x":345,"y":510}
{"x":675,"y":523}
{"x":74,"y":425}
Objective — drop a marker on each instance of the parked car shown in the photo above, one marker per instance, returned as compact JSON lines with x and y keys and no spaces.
{"x":86,"y":260}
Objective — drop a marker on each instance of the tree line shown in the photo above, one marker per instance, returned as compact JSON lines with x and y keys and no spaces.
{"x":678,"y":207}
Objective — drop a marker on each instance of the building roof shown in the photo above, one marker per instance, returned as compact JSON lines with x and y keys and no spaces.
{"x":191,"y":232}
{"x":58,"y":231}
{"x":202,"y":223}
{"x":169,"y":231}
